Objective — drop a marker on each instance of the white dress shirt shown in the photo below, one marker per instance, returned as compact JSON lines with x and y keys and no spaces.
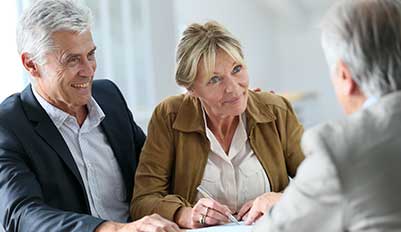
{"x":236,"y":177}
{"x":94,"y":158}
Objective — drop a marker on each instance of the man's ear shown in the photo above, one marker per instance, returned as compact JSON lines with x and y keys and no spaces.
{"x":30,"y":65}
{"x":349,"y":86}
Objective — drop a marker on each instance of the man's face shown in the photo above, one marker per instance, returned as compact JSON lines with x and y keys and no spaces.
{"x":65,"y":79}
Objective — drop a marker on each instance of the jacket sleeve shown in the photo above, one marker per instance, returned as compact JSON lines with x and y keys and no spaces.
{"x":21,"y":202}
{"x":292,"y":145}
{"x":313,"y":201}
{"x":152,"y":179}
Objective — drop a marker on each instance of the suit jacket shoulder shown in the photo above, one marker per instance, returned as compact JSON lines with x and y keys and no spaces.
{"x":41,"y":187}
{"x":365,"y":149}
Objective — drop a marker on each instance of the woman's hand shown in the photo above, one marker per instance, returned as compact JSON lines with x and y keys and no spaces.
{"x":253,"y":210}
{"x":243,"y":212}
{"x":206,"y":212}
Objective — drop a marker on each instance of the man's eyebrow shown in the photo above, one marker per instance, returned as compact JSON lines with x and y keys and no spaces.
{"x":65,"y":56}
{"x":68,"y":56}
{"x":93,"y":50}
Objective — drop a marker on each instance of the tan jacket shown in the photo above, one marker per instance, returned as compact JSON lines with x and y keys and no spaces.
{"x":175,"y":153}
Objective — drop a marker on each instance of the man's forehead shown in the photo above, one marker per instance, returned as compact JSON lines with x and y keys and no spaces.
{"x":73,"y":42}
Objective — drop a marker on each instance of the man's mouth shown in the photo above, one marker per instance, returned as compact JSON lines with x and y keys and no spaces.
{"x":80,"y":85}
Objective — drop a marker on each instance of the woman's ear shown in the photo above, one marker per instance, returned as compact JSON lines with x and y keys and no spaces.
{"x":30,"y":65}
{"x":190,"y":91}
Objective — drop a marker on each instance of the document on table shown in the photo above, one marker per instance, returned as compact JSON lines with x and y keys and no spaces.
{"x":230,"y":227}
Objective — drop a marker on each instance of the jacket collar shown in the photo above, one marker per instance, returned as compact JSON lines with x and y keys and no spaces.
{"x":189,"y":115}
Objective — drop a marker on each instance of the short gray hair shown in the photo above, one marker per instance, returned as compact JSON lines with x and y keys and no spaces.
{"x":366,"y":36}
{"x":43,"y":18}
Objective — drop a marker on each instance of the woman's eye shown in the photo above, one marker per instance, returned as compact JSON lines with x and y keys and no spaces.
{"x":237,"y":69}
{"x":214,"y":80}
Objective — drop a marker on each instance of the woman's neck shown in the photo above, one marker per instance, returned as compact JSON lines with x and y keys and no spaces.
{"x":223,"y":129}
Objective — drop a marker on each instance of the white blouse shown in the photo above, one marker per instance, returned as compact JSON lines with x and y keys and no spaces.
{"x":235,"y":178}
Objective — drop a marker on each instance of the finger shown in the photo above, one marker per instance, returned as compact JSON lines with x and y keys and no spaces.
{"x":212,"y":204}
{"x":252,"y":216}
{"x":152,"y":228}
{"x":245,"y":216}
{"x":217,"y":212}
{"x":198,"y":210}
{"x":160,"y":221}
{"x":244,"y":209}
{"x":162,"y":224}
{"x":212,"y":221}
{"x":219,"y":217}
{"x":173,"y":229}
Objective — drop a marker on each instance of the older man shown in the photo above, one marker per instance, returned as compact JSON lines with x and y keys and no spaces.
{"x":67,"y":159}
{"x":350,"y":180}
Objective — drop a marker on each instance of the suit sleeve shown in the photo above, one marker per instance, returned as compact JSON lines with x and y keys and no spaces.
{"x":21,"y":202}
{"x":312,"y":201}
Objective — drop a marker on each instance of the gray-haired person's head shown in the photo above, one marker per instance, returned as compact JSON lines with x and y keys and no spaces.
{"x":366,"y":36}
{"x":43,"y":18}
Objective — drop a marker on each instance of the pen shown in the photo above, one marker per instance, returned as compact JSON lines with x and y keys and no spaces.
{"x":206,"y":194}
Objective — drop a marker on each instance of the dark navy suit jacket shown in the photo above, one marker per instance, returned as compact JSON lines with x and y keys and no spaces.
{"x":40,"y":185}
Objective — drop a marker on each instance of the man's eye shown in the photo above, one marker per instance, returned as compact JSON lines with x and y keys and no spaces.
{"x":91,"y":56}
{"x":73,"y":61}
{"x":214,"y":80}
{"x":237,"y":69}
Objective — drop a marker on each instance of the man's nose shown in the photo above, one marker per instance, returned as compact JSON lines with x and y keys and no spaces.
{"x":87,"y":68}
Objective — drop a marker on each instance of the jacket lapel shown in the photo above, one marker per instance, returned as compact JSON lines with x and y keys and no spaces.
{"x":114,"y":126}
{"x":113,"y":135}
{"x":48,"y":131}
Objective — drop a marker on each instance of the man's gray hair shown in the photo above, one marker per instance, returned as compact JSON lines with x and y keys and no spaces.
{"x":366,"y":36}
{"x":43,"y":18}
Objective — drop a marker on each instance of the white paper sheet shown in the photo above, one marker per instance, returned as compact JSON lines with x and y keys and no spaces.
{"x":230,"y":227}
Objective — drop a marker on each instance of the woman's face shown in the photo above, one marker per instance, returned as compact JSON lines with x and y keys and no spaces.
{"x":225,"y":92}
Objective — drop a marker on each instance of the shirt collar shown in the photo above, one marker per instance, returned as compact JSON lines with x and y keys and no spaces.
{"x":58,"y":116}
{"x":370,"y":101}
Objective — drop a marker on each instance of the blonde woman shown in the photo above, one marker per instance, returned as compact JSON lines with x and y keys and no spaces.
{"x":235,"y":143}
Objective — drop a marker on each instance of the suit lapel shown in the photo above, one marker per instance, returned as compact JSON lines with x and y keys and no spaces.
{"x":114,"y":136}
{"x":114,"y":126}
{"x":48,"y":131}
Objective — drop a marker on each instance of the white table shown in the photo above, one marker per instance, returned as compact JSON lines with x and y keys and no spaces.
{"x":231,"y":227}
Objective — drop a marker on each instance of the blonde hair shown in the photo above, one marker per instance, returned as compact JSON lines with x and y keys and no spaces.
{"x":203,"y":41}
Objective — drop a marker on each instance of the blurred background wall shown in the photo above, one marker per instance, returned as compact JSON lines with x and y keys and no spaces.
{"x":136,"y":42}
